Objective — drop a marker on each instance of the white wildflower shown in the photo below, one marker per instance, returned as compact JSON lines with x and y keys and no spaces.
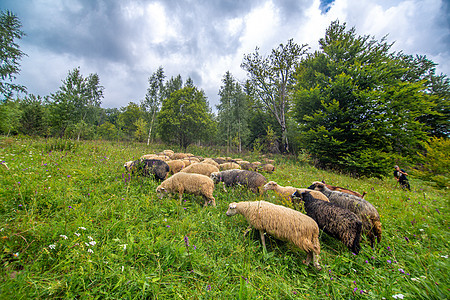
{"x":52,"y":246}
{"x":63,"y":236}
{"x":420,"y":229}
{"x":90,"y":250}
{"x":87,"y":245}
{"x":124,"y":246}
{"x":398,"y":296}
{"x":415,"y":279}
{"x":77,"y":234}
{"x":90,"y":237}
{"x":444,"y":256}
{"x":93,"y":243}
{"x":82,"y":228}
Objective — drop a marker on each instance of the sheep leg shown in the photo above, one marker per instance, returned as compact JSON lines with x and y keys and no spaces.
{"x":309,"y":257}
{"x":263,"y":240}
{"x":247,"y":230}
{"x":316,"y":261}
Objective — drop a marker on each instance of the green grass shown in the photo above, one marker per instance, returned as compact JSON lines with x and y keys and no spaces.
{"x":124,"y":242}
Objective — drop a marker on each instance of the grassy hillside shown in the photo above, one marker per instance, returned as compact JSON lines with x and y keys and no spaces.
{"x":75,"y":225}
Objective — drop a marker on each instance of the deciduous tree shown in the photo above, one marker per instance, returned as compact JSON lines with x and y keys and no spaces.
{"x":185,"y":117}
{"x":271,"y":78}
{"x":10,"y":54}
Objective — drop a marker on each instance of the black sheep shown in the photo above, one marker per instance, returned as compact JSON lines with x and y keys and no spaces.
{"x":149,"y":167}
{"x":334,"y":220}
{"x":252,"y":180}
{"x":362,"y":208}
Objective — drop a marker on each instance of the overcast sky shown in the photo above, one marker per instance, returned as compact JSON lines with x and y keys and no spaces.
{"x":125,"y":41}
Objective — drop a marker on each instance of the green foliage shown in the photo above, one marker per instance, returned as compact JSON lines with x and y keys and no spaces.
{"x":271,"y":79}
{"x":141,"y":129}
{"x":74,"y":225}
{"x":185,"y":117}
{"x":107,"y":131}
{"x":10,"y":115}
{"x":434,"y":165}
{"x":34,"y":118}
{"x":352,"y":101}
{"x":10,"y":54}
{"x":233,"y":114}
{"x":78,"y":99}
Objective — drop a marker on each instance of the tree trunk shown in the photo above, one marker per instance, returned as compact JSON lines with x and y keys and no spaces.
{"x":150,"y":129}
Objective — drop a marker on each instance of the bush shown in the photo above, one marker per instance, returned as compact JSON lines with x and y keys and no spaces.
{"x":434,"y":165}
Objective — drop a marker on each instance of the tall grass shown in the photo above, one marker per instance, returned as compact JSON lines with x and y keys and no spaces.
{"x":74,"y":224}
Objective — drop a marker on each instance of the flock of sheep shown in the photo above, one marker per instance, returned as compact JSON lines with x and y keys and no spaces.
{"x":339,"y":212}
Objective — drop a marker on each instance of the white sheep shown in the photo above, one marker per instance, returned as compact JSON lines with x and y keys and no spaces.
{"x":286,"y":192}
{"x":210,"y":161}
{"x":189,"y":183}
{"x":283,"y":223}
{"x":229,"y":166}
{"x":200,"y":168}
{"x":175,"y":166}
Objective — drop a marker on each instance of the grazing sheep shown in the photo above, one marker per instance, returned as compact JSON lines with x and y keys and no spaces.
{"x":178,"y":156}
{"x":200,"y":168}
{"x":240,"y":162}
{"x":334,"y":220}
{"x":148,"y":167}
{"x":168,"y":153}
{"x":362,"y":208}
{"x":286,"y":192}
{"x":269,"y":161}
{"x":341,"y":189}
{"x":210,"y":161}
{"x":189,"y":183}
{"x":248,"y":166}
{"x":229,"y":166}
{"x":175,"y":166}
{"x":269,"y":168}
{"x":220,"y":160}
{"x":252,"y":180}
{"x":283,"y":223}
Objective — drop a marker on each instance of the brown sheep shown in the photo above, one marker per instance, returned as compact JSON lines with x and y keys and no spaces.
{"x":341,"y":189}
{"x":189,"y":183}
{"x":283,"y":223}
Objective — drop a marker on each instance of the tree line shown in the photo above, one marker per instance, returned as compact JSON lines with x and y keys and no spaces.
{"x":353,"y":105}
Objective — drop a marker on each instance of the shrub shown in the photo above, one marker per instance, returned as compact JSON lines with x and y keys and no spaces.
{"x":434,"y":165}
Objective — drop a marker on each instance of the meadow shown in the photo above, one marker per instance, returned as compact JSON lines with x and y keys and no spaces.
{"x":74,"y":224}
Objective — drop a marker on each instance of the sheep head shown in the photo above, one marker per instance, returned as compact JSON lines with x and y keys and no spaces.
{"x":316,"y":185}
{"x":215,"y":176}
{"x":161,"y":192}
{"x":232,"y":209}
{"x":128,"y":165}
{"x":297,"y":195}
{"x":271,"y":185}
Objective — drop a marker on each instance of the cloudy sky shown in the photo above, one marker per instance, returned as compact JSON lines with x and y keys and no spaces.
{"x":125,"y":41}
